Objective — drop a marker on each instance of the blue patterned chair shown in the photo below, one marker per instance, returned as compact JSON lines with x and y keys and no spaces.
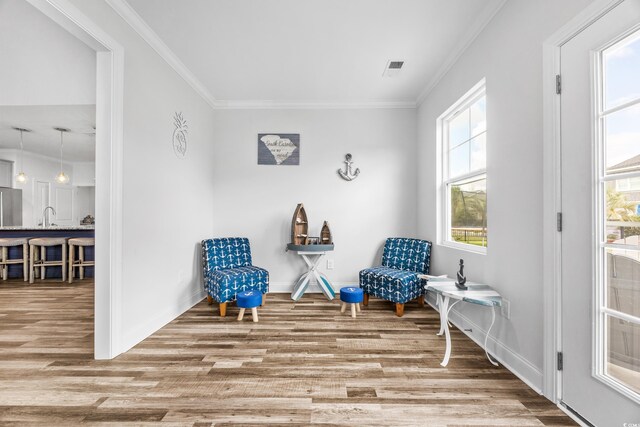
{"x":227,"y":270}
{"x":396,"y":279}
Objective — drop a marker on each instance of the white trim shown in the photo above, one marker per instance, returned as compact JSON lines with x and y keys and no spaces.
{"x":135,"y":21}
{"x":134,"y":336}
{"x":572,"y":415}
{"x":466,"y":40}
{"x":110,"y":114}
{"x":552,"y":197}
{"x":509,"y":358}
{"x":312,"y":105}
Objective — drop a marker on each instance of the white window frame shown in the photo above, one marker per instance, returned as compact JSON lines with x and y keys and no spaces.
{"x":600,"y":244}
{"x":444,"y":212}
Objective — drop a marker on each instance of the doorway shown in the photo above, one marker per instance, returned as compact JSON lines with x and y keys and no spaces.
{"x":108,"y":174}
{"x":599,"y":106}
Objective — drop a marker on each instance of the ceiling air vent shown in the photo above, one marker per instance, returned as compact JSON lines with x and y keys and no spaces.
{"x":393,"y":68}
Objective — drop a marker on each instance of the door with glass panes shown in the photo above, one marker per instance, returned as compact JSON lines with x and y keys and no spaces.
{"x":600,"y":137}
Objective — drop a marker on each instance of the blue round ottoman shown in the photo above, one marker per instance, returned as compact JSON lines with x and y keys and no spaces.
{"x":249,"y":299}
{"x":353,"y":297}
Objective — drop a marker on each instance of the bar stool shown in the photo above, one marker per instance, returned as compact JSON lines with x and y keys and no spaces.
{"x":38,"y":258}
{"x":5,"y":244}
{"x":80,"y":242}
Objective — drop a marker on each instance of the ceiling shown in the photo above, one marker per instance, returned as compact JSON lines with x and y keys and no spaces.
{"x":315,"y":51}
{"x":79,"y":144}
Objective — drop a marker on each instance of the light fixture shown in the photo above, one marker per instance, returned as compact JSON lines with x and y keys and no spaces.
{"x":21,"y":177}
{"x":61,"y":178}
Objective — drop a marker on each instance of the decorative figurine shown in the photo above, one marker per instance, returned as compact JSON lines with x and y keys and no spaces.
{"x":325,"y":234}
{"x":461,"y":279}
{"x":347,"y":174}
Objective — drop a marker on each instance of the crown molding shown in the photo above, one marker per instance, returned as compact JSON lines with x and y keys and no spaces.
{"x":312,"y":105}
{"x":135,"y":21}
{"x":467,"y":39}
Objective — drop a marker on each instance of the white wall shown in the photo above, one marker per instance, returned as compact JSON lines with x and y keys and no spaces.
{"x":38,"y":168}
{"x":509,"y":54}
{"x":42,"y":64}
{"x":257,"y":201}
{"x":168,"y":202}
{"x":85,"y":202}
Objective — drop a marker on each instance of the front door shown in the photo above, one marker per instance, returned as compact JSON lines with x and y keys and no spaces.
{"x":600,"y":137}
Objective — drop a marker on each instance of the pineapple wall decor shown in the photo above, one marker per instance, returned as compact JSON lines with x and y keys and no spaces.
{"x":179,"y":139}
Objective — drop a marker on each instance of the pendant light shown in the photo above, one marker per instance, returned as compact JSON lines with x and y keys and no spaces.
{"x":61,"y":178}
{"x":21,"y":177}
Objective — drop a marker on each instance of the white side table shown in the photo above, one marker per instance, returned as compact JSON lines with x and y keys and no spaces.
{"x":477,"y":293}
{"x":312,"y":254}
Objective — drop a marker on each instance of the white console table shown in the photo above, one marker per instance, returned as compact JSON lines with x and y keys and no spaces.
{"x":477,"y":293}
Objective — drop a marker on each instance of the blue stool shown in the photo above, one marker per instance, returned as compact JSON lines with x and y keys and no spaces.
{"x":249,"y":299}
{"x":353,"y":297}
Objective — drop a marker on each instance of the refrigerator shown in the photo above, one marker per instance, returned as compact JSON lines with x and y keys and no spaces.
{"x":10,"y":207}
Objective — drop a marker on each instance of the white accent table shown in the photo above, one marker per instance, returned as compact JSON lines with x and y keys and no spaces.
{"x":312,"y":254}
{"x":477,"y":293}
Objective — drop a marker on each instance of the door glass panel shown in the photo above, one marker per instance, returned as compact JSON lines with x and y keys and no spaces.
{"x":623,"y":355}
{"x":622,"y":66}
{"x":623,"y":281}
{"x":459,"y":129}
{"x":622,"y":211}
{"x":459,"y":160}
{"x":622,"y":140}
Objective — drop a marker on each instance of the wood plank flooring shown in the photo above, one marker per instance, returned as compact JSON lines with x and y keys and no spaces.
{"x":303,"y":363}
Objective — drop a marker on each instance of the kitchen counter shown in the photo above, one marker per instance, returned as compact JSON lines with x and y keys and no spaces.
{"x":54,"y":252}
{"x":52,"y":228}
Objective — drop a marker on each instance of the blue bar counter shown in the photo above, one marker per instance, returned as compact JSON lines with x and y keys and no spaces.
{"x":15,"y":271}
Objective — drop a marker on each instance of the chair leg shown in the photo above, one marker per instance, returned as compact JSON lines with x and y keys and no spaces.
{"x":25,"y":262}
{"x":64,"y":262}
{"x":353,"y":310}
{"x":344,"y":307}
{"x":264,"y":299}
{"x":81,"y":255}
{"x":43,"y":257}
{"x":223,"y":309}
{"x":254,"y":314}
{"x":241,"y":314}
{"x":71,"y":260}
{"x":399,"y":309}
{"x":365,"y":302}
{"x":358,"y":307}
{"x":5,"y":267}
{"x":209,"y":299}
{"x":421,"y":300}
{"x":32,"y":254}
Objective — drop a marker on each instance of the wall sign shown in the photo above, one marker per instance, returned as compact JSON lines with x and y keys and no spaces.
{"x":180,"y":135}
{"x":278,"y":148}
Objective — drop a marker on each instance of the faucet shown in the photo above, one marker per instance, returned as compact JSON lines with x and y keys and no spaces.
{"x":46,"y":222}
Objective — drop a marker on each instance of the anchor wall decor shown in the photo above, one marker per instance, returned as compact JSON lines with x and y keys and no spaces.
{"x":348,"y":174}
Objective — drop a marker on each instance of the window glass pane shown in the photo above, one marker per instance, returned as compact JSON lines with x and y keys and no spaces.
{"x":478,"y":113}
{"x":621,"y":70}
{"x":468,"y":203}
{"x":623,"y":281}
{"x":623,"y":352}
{"x":622,"y":140}
{"x":459,"y":160}
{"x":478,"y":152}
{"x":459,"y":128}
{"x":622,"y":211}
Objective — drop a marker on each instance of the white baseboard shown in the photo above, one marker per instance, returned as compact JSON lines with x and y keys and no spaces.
{"x":514,"y":362}
{"x":287,"y":287}
{"x":133,"y":337}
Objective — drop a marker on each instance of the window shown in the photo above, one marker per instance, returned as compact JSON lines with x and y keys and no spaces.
{"x":618,"y":220}
{"x":463,"y":192}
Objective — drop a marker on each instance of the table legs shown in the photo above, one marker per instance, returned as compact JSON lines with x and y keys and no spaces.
{"x":303,"y":282}
{"x":445,"y":308}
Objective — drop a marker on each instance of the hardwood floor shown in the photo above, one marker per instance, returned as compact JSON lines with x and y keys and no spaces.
{"x":303,"y":363}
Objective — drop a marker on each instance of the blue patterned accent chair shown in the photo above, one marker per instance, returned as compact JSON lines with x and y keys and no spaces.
{"x":227,"y":271}
{"x":396,"y":280}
